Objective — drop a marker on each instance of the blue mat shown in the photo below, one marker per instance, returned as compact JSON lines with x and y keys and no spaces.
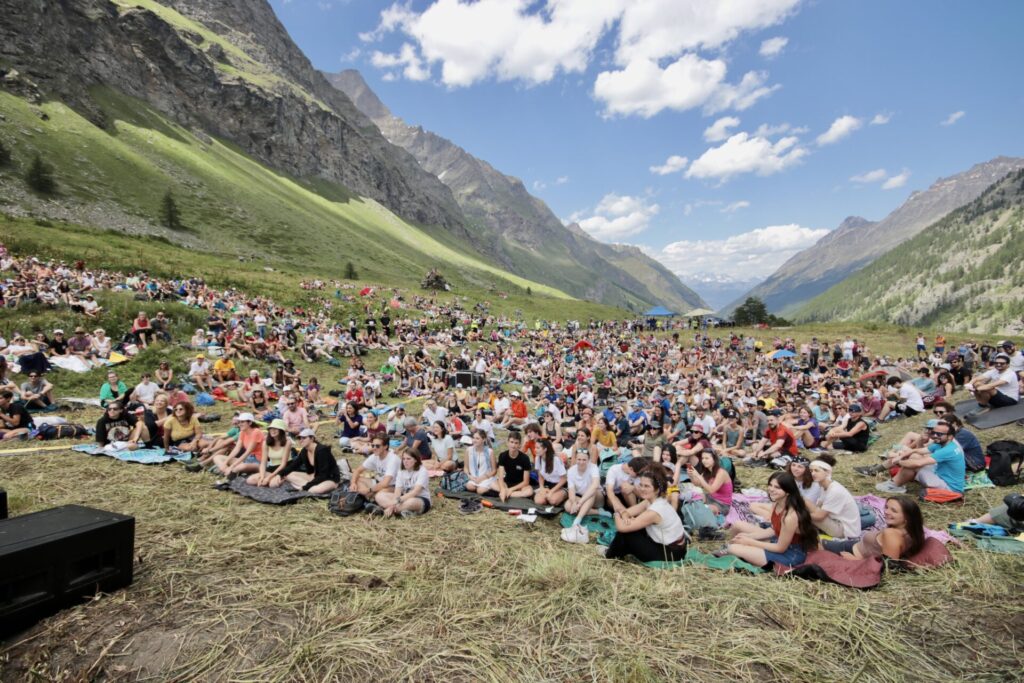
{"x":142,"y":456}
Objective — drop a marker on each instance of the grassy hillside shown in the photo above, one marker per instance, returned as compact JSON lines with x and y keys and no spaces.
{"x":231,"y":204}
{"x":964,"y":272}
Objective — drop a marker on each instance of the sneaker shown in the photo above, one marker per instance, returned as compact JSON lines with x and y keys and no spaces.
{"x":409,"y":513}
{"x":193,"y":467}
{"x":889,"y":487}
{"x":469,"y":506}
{"x":373,"y":509}
{"x":710,"y":533}
{"x":869,"y":470}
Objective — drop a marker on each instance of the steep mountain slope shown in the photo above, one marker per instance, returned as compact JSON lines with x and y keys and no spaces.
{"x":964,"y":272}
{"x":857,"y":242}
{"x":519,"y":229}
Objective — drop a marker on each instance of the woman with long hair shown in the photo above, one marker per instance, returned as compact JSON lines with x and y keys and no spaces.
{"x":710,"y":476}
{"x":551,"y":476}
{"x":182,"y":429}
{"x":650,"y":530}
{"x":411,"y":495}
{"x":277,"y":449}
{"x":902,"y":537}
{"x":791,"y":535}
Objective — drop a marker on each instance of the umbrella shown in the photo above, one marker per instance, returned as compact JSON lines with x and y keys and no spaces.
{"x":365,"y":291}
{"x":781,"y":353}
{"x":582,"y":344}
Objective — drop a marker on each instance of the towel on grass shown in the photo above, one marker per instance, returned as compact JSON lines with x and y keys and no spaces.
{"x":978,"y":480}
{"x":142,"y":456}
{"x":696,"y":557}
{"x":282,"y":495}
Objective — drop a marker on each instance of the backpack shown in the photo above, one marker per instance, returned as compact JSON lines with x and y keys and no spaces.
{"x":697,"y":515}
{"x":204,"y":399}
{"x":1001,"y":456}
{"x":454,"y":482}
{"x":933,"y":495}
{"x":345,"y":503}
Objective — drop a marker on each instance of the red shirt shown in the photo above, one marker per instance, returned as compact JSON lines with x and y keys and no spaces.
{"x":788,"y":440}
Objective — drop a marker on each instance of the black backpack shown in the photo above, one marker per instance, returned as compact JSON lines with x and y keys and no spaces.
{"x":345,"y":503}
{"x":1002,"y":455}
{"x":48,"y":432}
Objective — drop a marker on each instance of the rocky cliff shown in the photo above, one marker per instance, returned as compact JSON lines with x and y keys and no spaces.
{"x":518,"y":228}
{"x":228,"y":69}
{"x":857,"y":242}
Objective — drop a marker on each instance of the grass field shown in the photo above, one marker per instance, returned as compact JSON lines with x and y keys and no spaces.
{"x":226,"y":589}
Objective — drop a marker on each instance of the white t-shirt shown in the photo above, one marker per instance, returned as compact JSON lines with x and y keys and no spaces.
{"x":145,"y":393}
{"x":841,"y":506}
{"x":442,"y":448}
{"x":389,"y":466}
{"x":580,"y":481}
{"x":501,"y":405}
{"x":1011,"y":387}
{"x":1017,"y":361}
{"x":670,"y":528}
{"x":911,"y":395}
{"x":616,"y":477}
{"x":556,"y":473}
{"x":198,"y":368}
{"x":811,"y":493}
{"x":407,"y":480}
{"x":438,"y":414}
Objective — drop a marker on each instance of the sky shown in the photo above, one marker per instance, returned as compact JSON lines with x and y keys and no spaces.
{"x":722,"y":136}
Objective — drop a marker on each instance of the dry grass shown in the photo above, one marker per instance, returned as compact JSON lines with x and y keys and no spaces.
{"x":227,"y":589}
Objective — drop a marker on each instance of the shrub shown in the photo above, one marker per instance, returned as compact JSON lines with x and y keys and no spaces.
{"x":40,"y":176}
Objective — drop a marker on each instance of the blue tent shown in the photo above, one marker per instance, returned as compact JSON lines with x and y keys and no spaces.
{"x":659,"y":311}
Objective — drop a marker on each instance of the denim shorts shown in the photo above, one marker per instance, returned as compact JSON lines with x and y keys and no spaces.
{"x":792,"y":556}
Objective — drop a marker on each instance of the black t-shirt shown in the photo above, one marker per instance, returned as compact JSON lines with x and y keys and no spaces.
{"x":514,"y":467}
{"x":961,"y":375}
{"x":18,"y":410}
{"x":116,"y":429}
{"x":58,"y":346}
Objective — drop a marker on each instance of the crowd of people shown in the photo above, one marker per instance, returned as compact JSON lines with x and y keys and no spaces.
{"x":602,"y":415}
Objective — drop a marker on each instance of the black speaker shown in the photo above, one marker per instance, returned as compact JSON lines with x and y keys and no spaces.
{"x":469,"y":379}
{"x":3,"y":504}
{"x":53,"y":558}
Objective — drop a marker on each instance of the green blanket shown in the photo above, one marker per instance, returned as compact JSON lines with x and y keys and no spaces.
{"x":978,"y":480}
{"x":1000,"y":544}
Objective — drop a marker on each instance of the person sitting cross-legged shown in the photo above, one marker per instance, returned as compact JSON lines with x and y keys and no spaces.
{"x":939,"y":465}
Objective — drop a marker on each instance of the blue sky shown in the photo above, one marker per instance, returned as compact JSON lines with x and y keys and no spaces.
{"x":817,"y":109}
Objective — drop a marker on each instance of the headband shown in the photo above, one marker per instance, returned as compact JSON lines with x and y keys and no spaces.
{"x":821,"y":464}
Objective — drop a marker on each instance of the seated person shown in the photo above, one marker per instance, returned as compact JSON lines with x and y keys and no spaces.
{"x":854,"y":437}
{"x":142,"y":330}
{"x":377,"y":472}
{"x":115,"y":426}
{"x":551,"y":476}
{"x":313,"y":467}
{"x":514,"y":468}
{"x":650,"y":530}
{"x":688,"y":451}
{"x":517,"y":414}
{"x":620,"y":481}
{"x":836,"y":512}
{"x":791,"y":534}
{"x":145,"y":391}
{"x":715,"y":481}
{"x":350,"y":422}
{"x":201,"y":374}
{"x":416,"y":438}
{"x":905,"y":399}
{"x":939,"y":465}
{"x":277,"y":448}
{"x":997,"y":387}
{"x":15,"y":421}
{"x":411,"y":495}
{"x":37,"y":392}
{"x":247,"y":453}
{"x":1009,"y":515}
{"x":779,"y":440}
{"x":442,"y":448}
{"x":583,"y":495}
{"x":479,"y":466}
{"x":182,"y":429}
{"x":903,"y":535}
{"x":224,"y":370}
{"x":113,"y":390}
{"x":147,"y":432}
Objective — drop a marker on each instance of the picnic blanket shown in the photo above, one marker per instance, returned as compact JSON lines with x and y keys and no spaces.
{"x":866,"y":572}
{"x":142,"y":456}
{"x":493,"y":502}
{"x":282,"y":495}
{"x":993,"y":417}
{"x":695,"y":557}
{"x":978,"y":480}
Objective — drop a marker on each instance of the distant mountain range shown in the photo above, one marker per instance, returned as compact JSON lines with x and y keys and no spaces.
{"x":964,"y":271}
{"x":518,"y":229}
{"x":717,"y":289}
{"x":858,"y":241}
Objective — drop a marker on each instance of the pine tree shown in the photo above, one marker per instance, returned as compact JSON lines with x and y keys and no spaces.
{"x":5,"y":155}
{"x":350,"y":271}
{"x":40,"y":176}
{"x":751,"y":312}
{"x":529,"y":291}
{"x":169,"y":214}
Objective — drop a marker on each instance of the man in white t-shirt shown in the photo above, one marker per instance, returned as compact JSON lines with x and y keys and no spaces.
{"x":621,"y":482}
{"x":199,"y":372}
{"x":145,"y":391}
{"x":501,"y":404}
{"x":377,"y":472}
{"x":586,"y":398}
{"x":997,"y":387}
{"x":910,"y":401}
{"x":1016,"y":357}
{"x":434,"y":413}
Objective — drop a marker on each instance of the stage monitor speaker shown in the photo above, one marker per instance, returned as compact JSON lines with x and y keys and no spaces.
{"x":469,"y":379}
{"x":3,"y":504}
{"x":53,"y":558}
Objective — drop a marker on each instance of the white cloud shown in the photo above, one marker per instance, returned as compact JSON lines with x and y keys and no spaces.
{"x":673,"y":164}
{"x":840,"y":128}
{"x":735,"y":206}
{"x":617,"y":216}
{"x":561,"y":180}
{"x":654,"y":62}
{"x":773,"y":47}
{"x":539,"y":185}
{"x":766,"y":131}
{"x":870,"y":176}
{"x":719,"y":130}
{"x":880,"y":119}
{"x":896,"y":181}
{"x":953,"y":118}
{"x":351,"y":56}
{"x":743,"y":153}
{"x":413,"y":69}
{"x":754,"y":254}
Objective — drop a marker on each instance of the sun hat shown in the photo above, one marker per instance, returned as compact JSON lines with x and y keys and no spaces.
{"x":246,"y":417}
{"x":278,"y":423}
{"x":307,"y":433}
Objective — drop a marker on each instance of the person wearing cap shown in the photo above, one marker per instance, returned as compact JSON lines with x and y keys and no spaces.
{"x":58,"y":346}
{"x":500,"y":404}
{"x":637,"y":419}
{"x":313,"y":467}
{"x":997,"y":387}
{"x":689,"y":449}
{"x":80,"y":345}
{"x":295,"y":415}
{"x":182,"y":429}
{"x":201,"y":374}
{"x":940,"y":465}
{"x":219,"y":445}
{"x":278,"y":447}
{"x":836,"y":512}
{"x":248,"y":451}
{"x":378,"y":471}
{"x":224,"y":370}
{"x":654,"y":441}
{"x":1016,"y":357}
{"x":853,"y":437}
{"x":517,"y":414}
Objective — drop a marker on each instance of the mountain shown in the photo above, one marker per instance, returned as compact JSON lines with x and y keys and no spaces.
{"x":211,"y":101}
{"x":518,"y":229}
{"x":963,"y":272}
{"x":717,"y":289}
{"x":857,"y":242}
